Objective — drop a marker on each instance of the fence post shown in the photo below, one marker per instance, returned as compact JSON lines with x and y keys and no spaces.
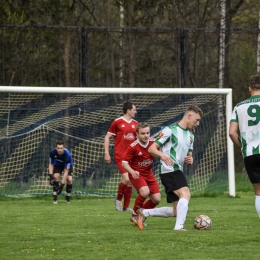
{"x":83,"y":60}
{"x":183,"y":58}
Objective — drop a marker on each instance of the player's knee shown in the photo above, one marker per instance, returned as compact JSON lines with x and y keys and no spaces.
{"x":56,"y":176}
{"x":125,"y":179}
{"x":183,"y":193}
{"x":69,"y":181}
{"x":186,"y":195}
{"x":156,"y":200}
{"x":144,"y":193}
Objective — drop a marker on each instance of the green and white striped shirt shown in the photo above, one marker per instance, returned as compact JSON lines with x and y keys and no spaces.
{"x":247,"y":115}
{"x":175,"y":142}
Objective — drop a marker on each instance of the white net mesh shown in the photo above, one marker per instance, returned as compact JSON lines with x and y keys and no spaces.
{"x":31,"y":124}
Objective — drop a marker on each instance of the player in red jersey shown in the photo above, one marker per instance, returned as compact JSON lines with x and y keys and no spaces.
{"x":138,"y":163}
{"x":123,"y":129}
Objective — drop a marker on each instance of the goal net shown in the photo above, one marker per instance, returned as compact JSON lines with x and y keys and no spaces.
{"x":33,"y":119}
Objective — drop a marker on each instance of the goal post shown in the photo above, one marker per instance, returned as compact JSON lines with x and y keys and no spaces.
{"x":32,"y":119}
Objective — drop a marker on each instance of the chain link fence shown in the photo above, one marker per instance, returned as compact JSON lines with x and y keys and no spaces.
{"x":124,"y":57}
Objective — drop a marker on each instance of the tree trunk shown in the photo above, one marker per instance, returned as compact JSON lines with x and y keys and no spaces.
{"x":67,"y":44}
{"x":131,"y":44}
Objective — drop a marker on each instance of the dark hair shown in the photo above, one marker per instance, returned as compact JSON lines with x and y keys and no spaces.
{"x":127,"y":105}
{"x":141,"y":125}
{"x":59,"y":142}
{"x":255,"y":82}
{"x":195,"y":109}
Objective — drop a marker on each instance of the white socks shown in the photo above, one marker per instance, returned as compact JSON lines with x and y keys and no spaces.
{"x":182,"y":209}
{"x":163,"y":212}
{"x":257,"y":205}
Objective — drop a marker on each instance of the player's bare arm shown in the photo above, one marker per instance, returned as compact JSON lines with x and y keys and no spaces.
{"x":233,"y":133}
{"x":63,"y":181}
{"x":65,"y":176}
{"x":128,"y":168}
{"x":107,"y":156}
{"x":188,"y":160}
{"x":51,"y":168}
{"x":154,"y":150}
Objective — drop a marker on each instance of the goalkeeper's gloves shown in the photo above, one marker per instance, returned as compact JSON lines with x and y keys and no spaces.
{"x":52,"y":180}
{"x":60,"y":188}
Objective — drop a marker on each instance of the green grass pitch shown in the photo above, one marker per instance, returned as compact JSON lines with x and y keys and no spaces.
{"x":91,"y":228}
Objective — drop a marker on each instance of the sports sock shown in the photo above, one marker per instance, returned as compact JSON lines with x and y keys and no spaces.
{"x":120,"y":191}
{"x":182,"y":209}
{"x":139,"y":201}
{"x":127,"y":197}
{"x":163,"y":212}
{"x":257,"y":205}
{"x":68,"y":189}
{"x":55,"y":187}
{"x":149,"y":205}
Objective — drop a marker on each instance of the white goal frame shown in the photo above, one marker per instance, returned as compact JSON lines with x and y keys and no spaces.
{"x":213,"y":91}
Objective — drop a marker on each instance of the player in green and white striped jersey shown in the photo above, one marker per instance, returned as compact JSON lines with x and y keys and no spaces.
{"x":246,"y":120}
{"x":174,"y":147}
{"x":180,"y":145}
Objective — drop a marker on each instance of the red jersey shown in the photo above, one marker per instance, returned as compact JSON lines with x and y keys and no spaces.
{"x":138,"y":157}
{"x":124,"y":133}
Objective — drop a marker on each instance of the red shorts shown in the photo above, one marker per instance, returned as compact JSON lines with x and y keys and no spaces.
{"x":149,"y":181}
{"x":120,"y":167}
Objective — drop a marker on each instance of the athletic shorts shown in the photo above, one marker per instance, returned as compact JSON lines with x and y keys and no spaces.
{"x":173,"y":181}
{"x":252,"y":165}
{"x":120,"y":167}
{"x":60,"y":169}
{"x":142,"y":181}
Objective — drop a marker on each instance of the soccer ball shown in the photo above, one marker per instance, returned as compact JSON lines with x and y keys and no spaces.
{"x":202,"y":222}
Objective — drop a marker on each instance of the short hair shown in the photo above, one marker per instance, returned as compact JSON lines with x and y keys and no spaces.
{"x":141,"y":125}
{"x":59,"y":142}
{"x":127,"y":105}
{"x":195,"y":109}
{"x":255,"y":82}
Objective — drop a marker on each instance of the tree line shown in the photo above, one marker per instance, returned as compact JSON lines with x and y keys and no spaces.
{"x":141,"y":43}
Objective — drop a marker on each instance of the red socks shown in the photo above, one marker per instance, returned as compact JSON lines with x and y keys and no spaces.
{"x":149,"y":205}
{"x":126,"y":192}
{"x":127,"y":197}
{"x":120,"y":192}
{"x":139,"y":201}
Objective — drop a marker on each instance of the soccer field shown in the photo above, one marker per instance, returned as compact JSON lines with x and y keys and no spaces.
{"x":91,"y":228}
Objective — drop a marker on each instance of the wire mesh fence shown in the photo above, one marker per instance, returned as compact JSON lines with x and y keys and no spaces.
{"x":124,"y":57}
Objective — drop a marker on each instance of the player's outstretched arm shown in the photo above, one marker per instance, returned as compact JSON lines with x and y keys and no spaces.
{"x":154,"y":150}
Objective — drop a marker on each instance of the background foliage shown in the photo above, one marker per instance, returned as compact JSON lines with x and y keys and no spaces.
{"x":139,"y":43}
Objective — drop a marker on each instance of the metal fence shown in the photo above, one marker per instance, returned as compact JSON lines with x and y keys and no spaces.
{"x":123,"y":57}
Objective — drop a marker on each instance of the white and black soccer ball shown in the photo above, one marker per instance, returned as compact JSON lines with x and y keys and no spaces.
{"x":202,"y":222}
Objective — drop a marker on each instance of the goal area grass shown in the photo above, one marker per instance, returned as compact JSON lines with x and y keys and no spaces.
{"x":91,"y":228}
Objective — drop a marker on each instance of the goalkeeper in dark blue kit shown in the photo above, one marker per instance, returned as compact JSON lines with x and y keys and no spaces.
{"x":60,"y":161}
